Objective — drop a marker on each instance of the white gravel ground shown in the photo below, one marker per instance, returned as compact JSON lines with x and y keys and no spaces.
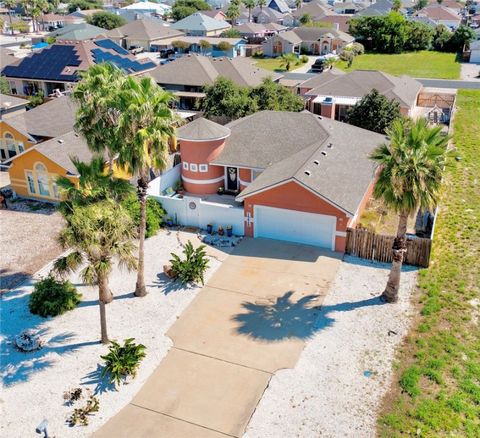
{"x":327,"y":394}
{"x":34,"y":383}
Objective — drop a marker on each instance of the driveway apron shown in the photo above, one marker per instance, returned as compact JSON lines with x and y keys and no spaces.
{"x":251,"y":319}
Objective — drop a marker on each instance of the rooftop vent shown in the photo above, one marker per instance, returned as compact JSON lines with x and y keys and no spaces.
{"x":316,"y":162}
{"x":324,"y":153}
{"x":308,"y":173}
{"x":60,"y":140}
{"x":330,"y":145}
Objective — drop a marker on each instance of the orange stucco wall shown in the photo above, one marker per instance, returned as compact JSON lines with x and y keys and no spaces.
{"x":27,"y":162}
{"x":245,"y":175}
{"x":294,"y":197}
{"x":198,"y":153}
{"x":17,"y":136}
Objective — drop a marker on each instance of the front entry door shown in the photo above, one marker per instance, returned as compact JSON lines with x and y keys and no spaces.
{"x":232,"y":179}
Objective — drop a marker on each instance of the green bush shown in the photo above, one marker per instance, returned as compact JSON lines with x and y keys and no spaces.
{"x":193,"y":267}
{"x":303,"y":59}
{"x":52,"y":297}
{"x":154,"y":213}
{"x":358,"y":49}
{"x":123,"y":361}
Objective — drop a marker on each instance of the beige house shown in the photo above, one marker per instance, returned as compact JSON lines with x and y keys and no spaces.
{"x":311,"y":40}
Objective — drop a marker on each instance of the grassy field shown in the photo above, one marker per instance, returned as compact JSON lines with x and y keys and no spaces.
{"x":437,"y":392}
{"x":423,"y":64}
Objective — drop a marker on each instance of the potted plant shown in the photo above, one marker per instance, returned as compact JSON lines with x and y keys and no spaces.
{"x":221,"y":231}
{"x":209,"y":228}
{"x":229,"y":231}
{"x":169,"y":221}
{"x":179,"y":188}
{"x":221,"y":191}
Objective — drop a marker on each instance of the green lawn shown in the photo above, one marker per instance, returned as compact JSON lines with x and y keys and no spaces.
{"x":423,"y":64}
{"x":437,"y":393}
{"x":274,"y":64}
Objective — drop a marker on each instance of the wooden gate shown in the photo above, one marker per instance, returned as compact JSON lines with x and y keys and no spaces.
{"x":371,"y":246}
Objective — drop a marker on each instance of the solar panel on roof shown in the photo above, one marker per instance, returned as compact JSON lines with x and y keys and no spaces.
{"x":109,"y":44}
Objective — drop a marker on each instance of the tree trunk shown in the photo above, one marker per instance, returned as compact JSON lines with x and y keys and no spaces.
{"x":142,"y":185}
{"x":249,"y":15}
{"x":104,"y":297}
{"x":10,"y":19}
{"x":390,"y":294}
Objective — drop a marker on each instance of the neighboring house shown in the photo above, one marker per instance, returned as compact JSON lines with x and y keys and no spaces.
{"x":33,"y":172}
{"x":334,"y":96}
{"x":73,"y":32}
{"x":259,"y":15}
{"x":145,"y":6}
{"x":378,"y":9}
{"x":199,"y":24}
{"x":348,"y":8}
{"x":339,"y":22}
{"x":143,"y":33}
{"x":289,"y":176}
{"x":441,"y":15}
{"x":475,"y":51}
{"x":315,"y":9}
{"x":255,"y":33}
{"x":7,"y":57}
{"x":279,"y":6}
{"x":11,"y":106}
{"x":57,"y":67}
{"x":20,"y":132}
{"x":187,"y":76}
{"x":216,"y":14}
{"x":81,"y":16}
{"x":313,"y":40}
{"x":235,"y":46}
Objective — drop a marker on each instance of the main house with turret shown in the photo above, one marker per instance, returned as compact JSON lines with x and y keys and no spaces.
{"x":280,"y":175}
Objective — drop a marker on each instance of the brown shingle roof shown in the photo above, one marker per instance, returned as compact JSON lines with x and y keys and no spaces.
{"x":202,"y":129}
{"x":197,"y":70}
{"x":144,"y":30}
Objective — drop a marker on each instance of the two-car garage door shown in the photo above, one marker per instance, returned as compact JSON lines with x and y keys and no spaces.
{"x":295,"y":226}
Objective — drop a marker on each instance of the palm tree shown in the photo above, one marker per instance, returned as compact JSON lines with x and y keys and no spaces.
{"x":145,"y":125}
{"x":98,"y":234}
{"x":10,"y":4}
{"x":298,"y":4}
{"x":250,"y":5}
{"x":410,"y":178}
{"x":233,"y":11}
{"x":287,"y":59}
{"x":96,"y":117}
{"x":262,"y":4}
{"x":93,"y":185}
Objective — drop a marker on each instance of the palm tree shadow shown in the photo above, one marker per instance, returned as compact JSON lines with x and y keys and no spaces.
{"x":101,"y":383}
{"x":168,"y":285}
{"x":285,"y":318}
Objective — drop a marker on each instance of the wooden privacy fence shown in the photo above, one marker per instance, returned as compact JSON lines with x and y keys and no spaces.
{"x":371,"y":246}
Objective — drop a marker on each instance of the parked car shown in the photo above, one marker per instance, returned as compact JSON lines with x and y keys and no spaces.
{"x":318,"y":66}
{"x":166,"y":53}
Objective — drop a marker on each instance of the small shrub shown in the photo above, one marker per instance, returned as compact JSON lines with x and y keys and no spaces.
{"x":358,"y":49}
{"x":154,"y":213}
{"x":52,"y":297}
{"x":123,"y":360}
{"x":224,"y":46}
{"x":80,"y":415}
{"x":304,"y":59}
{"x":72,"y":395}
{"x":409,"y":381}
{"x":193,"y":267}
{"x":347,"y":55}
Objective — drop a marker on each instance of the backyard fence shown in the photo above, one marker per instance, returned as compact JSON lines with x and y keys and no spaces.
{"x":371,"y":246}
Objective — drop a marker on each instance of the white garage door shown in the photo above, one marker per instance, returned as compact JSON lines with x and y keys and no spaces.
{"x":295,"y":226}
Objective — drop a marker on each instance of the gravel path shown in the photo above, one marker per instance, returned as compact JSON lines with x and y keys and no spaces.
{"x":337,"y":385}
{"x":34,"y":383}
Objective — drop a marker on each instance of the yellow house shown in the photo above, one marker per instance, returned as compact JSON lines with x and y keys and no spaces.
{"x":20,"y":132}
{"x":33,"y":172}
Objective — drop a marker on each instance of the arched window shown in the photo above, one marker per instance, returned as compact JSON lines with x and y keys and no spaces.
{"x":42,"y":179}
{"x":10,"y":145}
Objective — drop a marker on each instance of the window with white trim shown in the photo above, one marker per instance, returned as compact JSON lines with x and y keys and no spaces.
{"x":203,"y":167}
{"x":193,"y":167}
{"x":31,"y":184}
{"x":185,"y":165}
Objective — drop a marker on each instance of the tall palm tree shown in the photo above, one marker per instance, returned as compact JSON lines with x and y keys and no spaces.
{"x":96,"y":117}
{"x":98,"y":234}
{"x":146,"y":125}
{"x":410,"y":177}
{"x":250,"y":5}
{"x":262,"y":4}
{"x":10,"y":4}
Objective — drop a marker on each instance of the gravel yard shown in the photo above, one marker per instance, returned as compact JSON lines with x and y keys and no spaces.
{"x":34,"y":383}
{"x":27,"y":239}
{"x":338,"y":384}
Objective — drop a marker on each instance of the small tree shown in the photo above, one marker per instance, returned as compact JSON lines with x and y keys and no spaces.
{"x":410,"y":179}
{"x":374,"y":112}
{"x":287,"y":60}
{"x":20,"y":26}
{"x":230,"y":33}
{"x":10,"y":4}
{"x":348,"y":56}
{"x":106,"y":20}
{"x":250,"y":5}
{"x":396,"y":5}
{"x":262,"y":4}
{"x":420,"y":4}
{"x":233,"y":11}
{"x":224,"y":46}
{"x":305,"y":19}
{"x":182,"y":45}
{"x":97,"y":234}
{"x":205,"y":45}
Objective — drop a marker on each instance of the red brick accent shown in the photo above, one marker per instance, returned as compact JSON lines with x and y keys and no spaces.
{"x":327,"y":110}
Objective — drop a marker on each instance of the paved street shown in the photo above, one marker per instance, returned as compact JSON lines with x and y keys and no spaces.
{"x":230,"y":341}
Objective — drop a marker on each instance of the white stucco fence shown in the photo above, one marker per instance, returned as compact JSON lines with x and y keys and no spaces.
{"x":193,"y":210}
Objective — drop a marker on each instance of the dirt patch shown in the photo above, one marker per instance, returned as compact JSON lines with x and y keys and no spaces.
{"x":28,"y":240}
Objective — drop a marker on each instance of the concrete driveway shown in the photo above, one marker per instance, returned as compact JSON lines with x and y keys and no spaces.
{"x":250,"y":320}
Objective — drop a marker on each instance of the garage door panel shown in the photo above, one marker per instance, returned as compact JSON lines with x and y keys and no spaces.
{"x":295,"y":226}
